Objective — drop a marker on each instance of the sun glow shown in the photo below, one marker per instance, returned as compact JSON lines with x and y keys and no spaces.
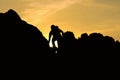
{"x":77,"y":16}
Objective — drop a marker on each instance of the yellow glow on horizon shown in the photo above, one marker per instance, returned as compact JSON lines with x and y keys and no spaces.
{"x":78,"y":16}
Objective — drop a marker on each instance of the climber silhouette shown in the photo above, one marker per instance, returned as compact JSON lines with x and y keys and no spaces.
{"x":56,"y":35}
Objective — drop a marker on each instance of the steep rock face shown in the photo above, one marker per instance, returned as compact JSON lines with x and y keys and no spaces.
{"x":20,"y":38}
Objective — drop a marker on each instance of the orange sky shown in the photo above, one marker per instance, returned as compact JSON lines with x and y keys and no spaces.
{"x":78,"y":16}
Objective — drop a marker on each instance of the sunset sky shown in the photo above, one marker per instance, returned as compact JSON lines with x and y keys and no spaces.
{"x":78,"y":16}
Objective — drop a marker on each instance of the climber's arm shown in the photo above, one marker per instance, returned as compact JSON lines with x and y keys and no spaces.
{"x":62,"y":32}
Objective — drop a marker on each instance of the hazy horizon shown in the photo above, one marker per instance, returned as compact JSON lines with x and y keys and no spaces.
{"x":78,"y":16}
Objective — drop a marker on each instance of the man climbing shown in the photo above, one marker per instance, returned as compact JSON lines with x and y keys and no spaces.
{"x":56,"y":35}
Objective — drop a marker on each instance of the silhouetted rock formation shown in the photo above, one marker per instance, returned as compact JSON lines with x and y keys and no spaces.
{"x":22,"y":46}
{"x":68,"y":44}
{"x":20,"y":39}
